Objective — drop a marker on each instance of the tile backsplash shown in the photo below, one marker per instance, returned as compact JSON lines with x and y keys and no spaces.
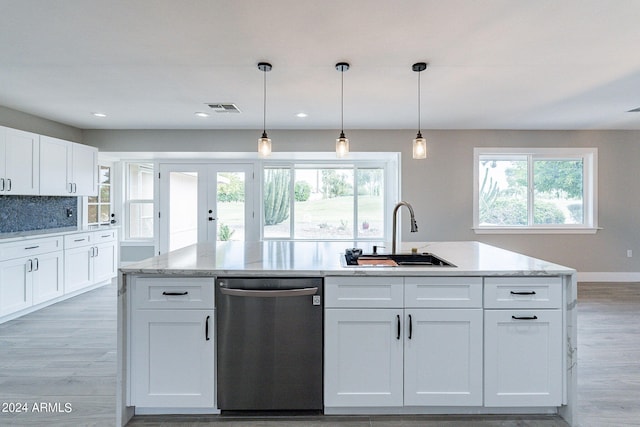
{"x":24,"y":213}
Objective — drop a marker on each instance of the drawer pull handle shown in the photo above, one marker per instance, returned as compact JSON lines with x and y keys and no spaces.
{"x":524,"y":317}
{"x":106,"y":235}
{"x":79,"y":240}
{"x":173,"y":294}
{"x":523,"y":292}
{"x":32,"y":247}
{"x":398,"y":333}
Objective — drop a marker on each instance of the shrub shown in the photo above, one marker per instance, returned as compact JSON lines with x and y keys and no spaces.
{"x":302,"y":191}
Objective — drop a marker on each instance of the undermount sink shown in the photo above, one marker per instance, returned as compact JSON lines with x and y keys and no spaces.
{"x":424,"y":259}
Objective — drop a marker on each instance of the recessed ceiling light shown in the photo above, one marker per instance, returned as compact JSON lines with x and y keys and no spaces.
{"x":99,"y":114}
{"x":302,"y":115}
{"x":201,"y":114}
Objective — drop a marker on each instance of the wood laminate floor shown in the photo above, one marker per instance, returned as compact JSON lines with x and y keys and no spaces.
{"x":60,"y":364}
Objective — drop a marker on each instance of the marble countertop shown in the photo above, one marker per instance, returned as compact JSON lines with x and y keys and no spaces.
{"x":51,"y":232}
{"x":277,"y":258}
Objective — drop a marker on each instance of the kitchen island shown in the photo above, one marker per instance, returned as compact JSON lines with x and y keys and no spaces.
{"x":493,"y":334}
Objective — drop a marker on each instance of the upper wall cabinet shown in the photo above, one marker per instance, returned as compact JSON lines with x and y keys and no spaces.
{"x":67,"y":168}
{"x":19,"y":162}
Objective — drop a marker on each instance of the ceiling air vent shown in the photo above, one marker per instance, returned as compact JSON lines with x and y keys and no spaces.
{"x":220,"y":107}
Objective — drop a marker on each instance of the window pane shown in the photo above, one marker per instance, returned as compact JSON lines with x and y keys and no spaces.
{"x":141,"y":220}
{"x":92,"y":215}
{"x":230,"y":206}
{"x":370,"y":202}
{"x":276,"y":203}
{"x":558,"y":195}
{"x":104,"y":175}
{"x":328,"y":211}
{"x":105,"y":193}
{"x":503,"y":191}
{"x":92,"y":199}
{"x":141,"y":181}
{"x":105,"y":214}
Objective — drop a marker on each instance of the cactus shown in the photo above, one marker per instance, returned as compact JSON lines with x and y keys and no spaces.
{"x":488,"y":194}
{"x":276,"y":196}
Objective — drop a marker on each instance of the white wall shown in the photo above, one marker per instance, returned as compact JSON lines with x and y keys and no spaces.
{"x":440,"y":187}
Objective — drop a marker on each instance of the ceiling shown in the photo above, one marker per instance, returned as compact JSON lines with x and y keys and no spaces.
{"x":493,"y":64}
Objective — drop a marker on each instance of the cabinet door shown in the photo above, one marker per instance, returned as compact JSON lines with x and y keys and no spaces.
{"x":22,"y":163}
{"x":443,"y":357}
{"x":523,"y":358}
{"x":53,"y":166}
{"x":104,"y":261}
{"x":84,"y":170}
{"x":173,"y":362}
{"x":363,"y":357}
{"x":47,"y":277}
{"x":15,"y":285}
{"x":78,"y":265}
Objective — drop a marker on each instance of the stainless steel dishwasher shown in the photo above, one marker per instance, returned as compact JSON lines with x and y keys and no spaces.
{"x":269,"y":344}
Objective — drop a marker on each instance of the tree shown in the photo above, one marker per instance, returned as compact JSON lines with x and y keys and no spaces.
{"x":335,"y":184}
{"x":301,"y":191}
{"x":231,"y":191}
{"x":556,"y":177}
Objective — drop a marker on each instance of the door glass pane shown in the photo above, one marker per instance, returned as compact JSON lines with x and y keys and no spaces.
{"x":104,"y":173}
{"x":230,"y":205}
{"x":503,"y":191}
{"x":370,"y":184}
{"x":92,"y":214}
{"x":328,"y":211}
{"x":276,"y":203}
{"x":557,"y":195}
{"x":183,"y":207}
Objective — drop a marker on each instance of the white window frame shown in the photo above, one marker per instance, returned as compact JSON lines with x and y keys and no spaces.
{"x":389,"y":164}
{"x":589,"y":157}
{"x":128,"y":201}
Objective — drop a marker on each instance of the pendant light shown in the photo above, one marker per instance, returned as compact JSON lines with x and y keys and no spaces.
{"x":419,"y":143}
{"x":342,"y":143}
{"x":264,"y":142}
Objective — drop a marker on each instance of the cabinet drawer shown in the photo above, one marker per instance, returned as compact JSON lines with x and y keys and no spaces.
{"x":443,"y":292}
{"x":522,"y":292}
{"x":104,"y":236}
{"x":173,"y":292}
{"x":78,"y":239}
{"x":29,"y":247}
{"x":364,"y":292}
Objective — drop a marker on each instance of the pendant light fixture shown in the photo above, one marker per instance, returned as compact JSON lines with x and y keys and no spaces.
{"x":342,"y":143}
{"x":264,"y":142}
{"x":419,"y":143}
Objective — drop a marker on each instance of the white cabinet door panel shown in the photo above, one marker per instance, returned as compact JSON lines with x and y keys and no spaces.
{"x":22,"y":163}
{"x":48,"y":277}
{"x":173,"y":363}
{"x":363,"y":357}
{"x":53,"y":166}
{"x":78,"y":272}
{"x":84,"y":170}
{"x":523,"y":354}
{"x":443,"y":357}
{"x":15,"y":286}
{"x":104,"y":261}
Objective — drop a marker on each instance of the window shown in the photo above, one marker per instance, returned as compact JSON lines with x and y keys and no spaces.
{"x":139,"y":201}
{"x":535,"y":190}
{"x":99,"y":207}
{"x":312,"y":201}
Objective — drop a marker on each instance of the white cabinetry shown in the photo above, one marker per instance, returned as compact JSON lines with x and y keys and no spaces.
{"x":19,"y":162}
{"x":89,"y":258}
{"x":172,"y":344}
{"x":67,"y":168}
{"x":523,"y":341}
{"x":397,"y":341}
{"x":30,"y":273}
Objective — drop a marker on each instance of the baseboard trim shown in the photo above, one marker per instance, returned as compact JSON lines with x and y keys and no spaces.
{"x":608,"y":276}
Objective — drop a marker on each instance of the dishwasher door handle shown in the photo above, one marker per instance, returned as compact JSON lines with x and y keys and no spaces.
{"x":269,"y":294}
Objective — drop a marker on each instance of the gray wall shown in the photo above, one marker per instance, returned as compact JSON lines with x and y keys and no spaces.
{"x":30,"y":123}
{"x":440,"y":188}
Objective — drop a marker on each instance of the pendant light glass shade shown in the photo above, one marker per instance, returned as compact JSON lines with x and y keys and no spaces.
{"x":419,"y":143}
{"x":264,"y":142}
{"x":342,"y":143}
{"x":419,"y":147}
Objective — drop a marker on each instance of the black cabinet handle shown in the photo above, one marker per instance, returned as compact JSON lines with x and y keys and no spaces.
{"x":206,"y":328}
{"x":410,"y":327}
{"x":398,"y":333}
{"x":173,"y":294}
{"x":524,"y":317}
{"x":523,"y":292}
{"x":32,"y":247}
{"x":37,"y":262}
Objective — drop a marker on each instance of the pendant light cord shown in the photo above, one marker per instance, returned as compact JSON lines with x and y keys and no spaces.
{"x":264,"y":103}
{"x":342,"y":101}
{"x":419,"y":130}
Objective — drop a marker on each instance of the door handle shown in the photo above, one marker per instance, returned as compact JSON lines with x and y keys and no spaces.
{"x":37,"y":267}
{"x":206,"y":328}
{"x":410,"y":327}
{"x":1,"y":184}
{"x":9,"y":184}
{"x":398,"y":331}
{"x":211,"y":218}
{"x":269,"y":294}
{"x":29,"y":265}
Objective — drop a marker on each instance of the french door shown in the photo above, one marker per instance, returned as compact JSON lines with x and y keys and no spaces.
{"x":205,"y":203}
